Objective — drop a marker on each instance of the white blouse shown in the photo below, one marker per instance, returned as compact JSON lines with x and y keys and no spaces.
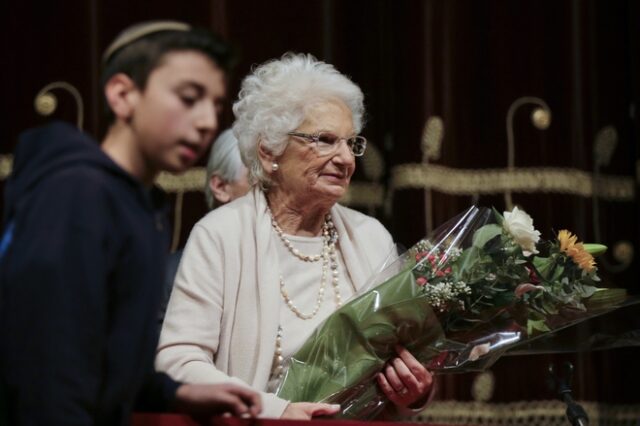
{"x":302,"y":282}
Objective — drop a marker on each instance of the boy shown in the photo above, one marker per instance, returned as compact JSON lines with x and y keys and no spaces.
{"x":85,"y":240}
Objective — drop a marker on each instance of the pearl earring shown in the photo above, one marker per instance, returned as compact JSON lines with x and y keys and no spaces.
{"x":274,"y":166}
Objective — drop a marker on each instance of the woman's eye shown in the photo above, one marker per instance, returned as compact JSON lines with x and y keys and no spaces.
{"x":327,"y":139}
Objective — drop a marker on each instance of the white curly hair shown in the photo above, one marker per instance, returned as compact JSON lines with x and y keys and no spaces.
{"x":273,"y":101}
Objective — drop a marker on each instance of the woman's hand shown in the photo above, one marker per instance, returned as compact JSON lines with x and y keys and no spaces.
{"x":203,"y":401}
{"x":308,"y":410}
{"x":405,"y":381}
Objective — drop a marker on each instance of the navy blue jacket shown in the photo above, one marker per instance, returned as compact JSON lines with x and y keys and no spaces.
{"x":82,"y":262}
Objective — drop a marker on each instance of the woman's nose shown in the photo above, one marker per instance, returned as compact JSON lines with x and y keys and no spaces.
{"x":343,"y":153}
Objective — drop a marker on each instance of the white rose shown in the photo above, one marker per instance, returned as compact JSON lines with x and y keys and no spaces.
{"x":520,"y":226}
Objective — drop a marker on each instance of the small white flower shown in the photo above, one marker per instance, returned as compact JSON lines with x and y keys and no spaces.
{"x":520,"y":226}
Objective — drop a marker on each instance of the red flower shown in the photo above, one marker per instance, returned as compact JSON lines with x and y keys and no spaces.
{"x":421,"y":281}
{"x":533,"y":277}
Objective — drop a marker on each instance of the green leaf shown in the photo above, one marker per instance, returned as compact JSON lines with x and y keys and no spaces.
{"x":606,"y":297}
{"x":595,"y":249}
{"x":498,"y":216}
{"x":485,"y":234}
{"x":537,"y":325}
{"x":543,"y":266}
{"x":466,"y":261}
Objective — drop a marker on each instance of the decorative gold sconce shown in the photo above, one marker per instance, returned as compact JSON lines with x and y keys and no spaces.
{"x":46,"y":102}
{"x":540,"y":118}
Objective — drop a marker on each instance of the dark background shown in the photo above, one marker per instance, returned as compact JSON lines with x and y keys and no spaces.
{"x":463,"y":60}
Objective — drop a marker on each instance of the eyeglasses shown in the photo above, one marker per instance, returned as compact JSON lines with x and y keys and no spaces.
{"x":327,"y":143}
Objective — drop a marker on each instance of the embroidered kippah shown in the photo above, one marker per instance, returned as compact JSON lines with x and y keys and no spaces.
{"x":138,"y":31}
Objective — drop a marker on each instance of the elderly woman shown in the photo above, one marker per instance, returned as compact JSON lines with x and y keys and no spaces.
{"x":227,"y":176}
{"x":260,"y":273}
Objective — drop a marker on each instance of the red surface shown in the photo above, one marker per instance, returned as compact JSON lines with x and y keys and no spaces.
{"x":179,"y":420}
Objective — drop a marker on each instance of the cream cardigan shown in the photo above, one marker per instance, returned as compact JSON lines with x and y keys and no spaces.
{"x":222,"y":318}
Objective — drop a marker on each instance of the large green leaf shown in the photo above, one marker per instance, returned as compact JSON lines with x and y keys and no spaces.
{"x":485,"y":234}
{"x":595,"y":249}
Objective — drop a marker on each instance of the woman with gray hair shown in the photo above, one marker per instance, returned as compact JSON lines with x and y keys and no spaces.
{"x":227,"y":177}
{"x":260,"y":273}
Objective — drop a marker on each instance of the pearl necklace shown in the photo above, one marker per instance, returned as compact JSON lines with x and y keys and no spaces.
{"x":329,"y":261}
{"x":329,"y":258}
{"x":278,"y":359}
{"x":294,"y":251}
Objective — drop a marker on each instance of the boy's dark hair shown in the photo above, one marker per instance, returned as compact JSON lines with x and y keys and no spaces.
{"x":138,"y":50}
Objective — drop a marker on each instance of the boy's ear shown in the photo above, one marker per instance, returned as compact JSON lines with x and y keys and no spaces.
{"x":266,"y":157}
{"x":122,"y":95}
{"x":218,"y":188}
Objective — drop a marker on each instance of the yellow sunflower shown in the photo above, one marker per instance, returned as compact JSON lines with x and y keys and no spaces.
{"x":569,"y":244}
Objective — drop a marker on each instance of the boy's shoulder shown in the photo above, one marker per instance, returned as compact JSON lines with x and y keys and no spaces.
{"x":59,"y":154}
{"x":60,"y":171}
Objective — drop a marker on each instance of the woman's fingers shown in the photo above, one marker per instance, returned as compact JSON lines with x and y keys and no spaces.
{"x":393,"y":378}
{"x":404,"y":380}
{"x":388,"y":390}
{"x":409,"y":380}
{"x":417,"y":369}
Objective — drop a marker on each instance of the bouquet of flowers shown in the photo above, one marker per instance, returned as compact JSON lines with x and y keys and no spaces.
{"x":482,"y":284}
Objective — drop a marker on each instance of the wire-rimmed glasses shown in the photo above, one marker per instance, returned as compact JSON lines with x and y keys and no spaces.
{"x":326,"y":143}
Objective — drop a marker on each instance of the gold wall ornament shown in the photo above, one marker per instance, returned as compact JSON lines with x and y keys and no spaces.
{"x":623,"y":252}
{"x":6,"y":164}
{"x":604,"y":145}
{"x":431,"y":144}
{"x":541,"y":119}
{"x":454,"y":181}
{"x":373,"y":163}
{"x":432,"y":136}
{"x":177,"y":221}
{"x":524,"y":413}
{"x":370,"y":195}
{"x":483,"y":386}
{"x":46,"y":102}
{"x":193,"y":180}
